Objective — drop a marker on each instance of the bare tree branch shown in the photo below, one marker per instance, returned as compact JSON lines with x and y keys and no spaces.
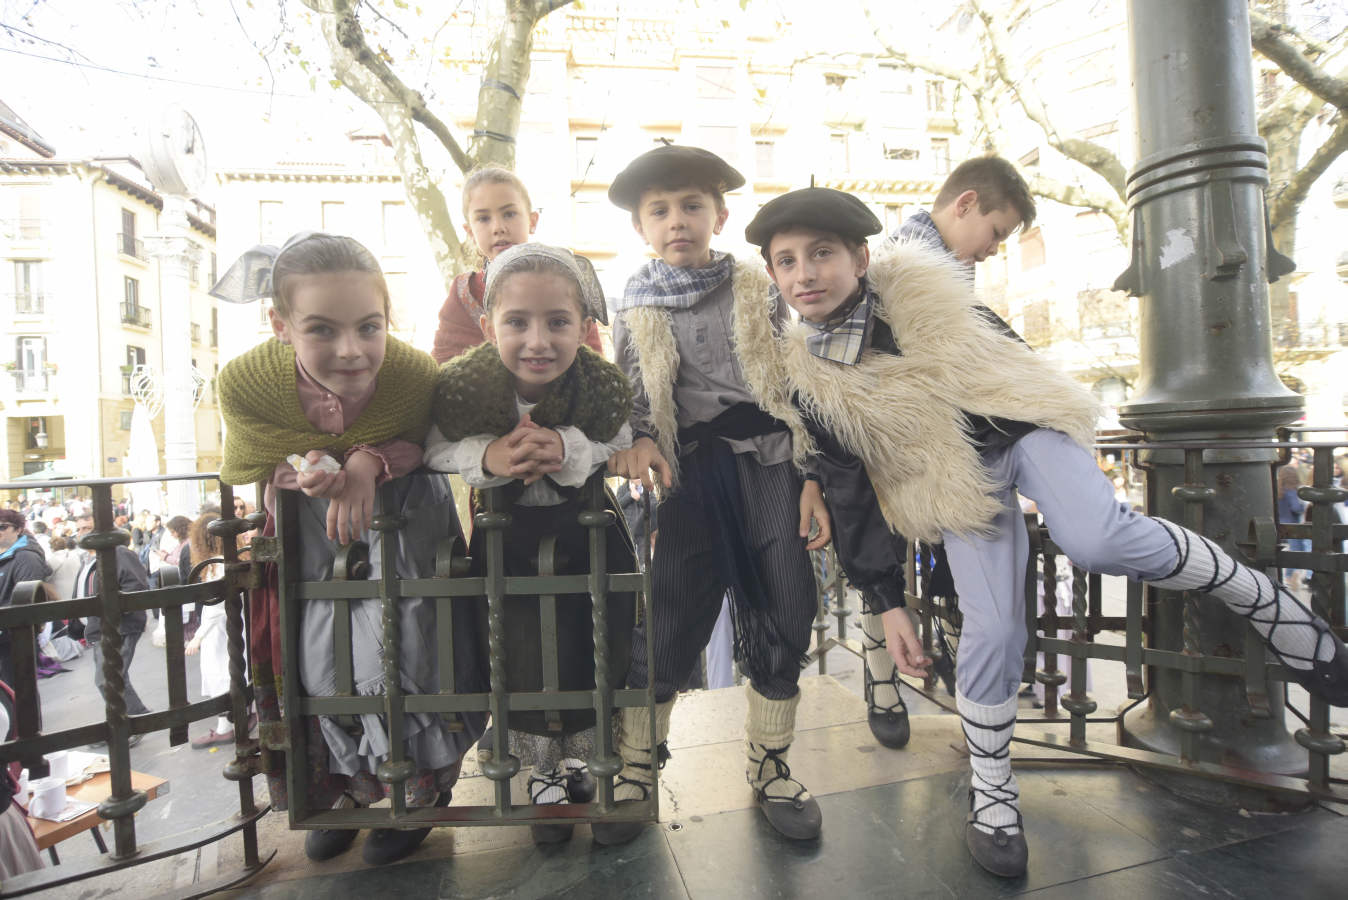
{"x":1273,"y":40}
{"x":1284,"y":204}
{"x":351,"y":37}
{"x":1076,"y":195}
{"x":356,"y":75}
{"x":1091,"y":155}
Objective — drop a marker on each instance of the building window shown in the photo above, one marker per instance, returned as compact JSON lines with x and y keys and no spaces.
{"x":215,"y":327}
{"x":1268,"y":87}
{"x":837,"y":153}
{"x":936,"y":96}
{"x":723,"y":140}
{"x":587,"y":154}
{"x":1037,"y":323}
{"x":1031,"y":249}
{"x":940,"y":156}
{"x":893,"y":217}
{"x":30,"y":364}
{"x":895,"y":151}
{"x":28,"y":295}
{"x":715,"y":82}
{"x":127,"y":242}
{"x":765,"y":158}
{"x":124,"y":419}
{"x":135,"y":356}
{"x":396,"y":232}
{"x":132,"y":312}
{"x":214,"y":270}
{"x":333,"y":216}
{"x":271,"y":222}
{"x":893,"y":81}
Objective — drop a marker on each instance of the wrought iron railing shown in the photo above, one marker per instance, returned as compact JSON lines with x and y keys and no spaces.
{"x":353,"y":580}
{"x":35,"y":603}
{"x":135,"y":314}
{"x":30,"y":303}
{"x":1069,"y":708}
{"x":130,"y":245}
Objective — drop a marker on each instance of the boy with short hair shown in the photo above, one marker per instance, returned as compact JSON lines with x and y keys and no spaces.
{"x":902,"y":398}
{"x":735,"y":514}
{"x":983,"y":201}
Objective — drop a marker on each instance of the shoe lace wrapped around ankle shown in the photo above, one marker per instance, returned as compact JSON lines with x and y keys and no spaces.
{"x":539,"y":784}
{"x":898,"y":707}
{"x":1001,"y":793}
{"x":781,"y":772}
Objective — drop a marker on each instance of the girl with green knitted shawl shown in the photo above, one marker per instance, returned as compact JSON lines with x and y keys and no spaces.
{"x":350,"y":405}
{"x":537,"y":414}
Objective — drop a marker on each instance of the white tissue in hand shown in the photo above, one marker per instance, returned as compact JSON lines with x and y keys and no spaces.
{"x":326,"y":464}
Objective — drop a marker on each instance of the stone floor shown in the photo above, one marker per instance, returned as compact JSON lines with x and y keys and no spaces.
{"x":893,"y":820}
{"x":893,"y":827}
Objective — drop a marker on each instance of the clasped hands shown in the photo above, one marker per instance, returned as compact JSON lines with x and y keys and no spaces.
{"x":528,"y":452}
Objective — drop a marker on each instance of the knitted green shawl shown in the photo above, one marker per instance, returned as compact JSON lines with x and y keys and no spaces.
{"x":260,"y":403}
{"x":475,"y":394}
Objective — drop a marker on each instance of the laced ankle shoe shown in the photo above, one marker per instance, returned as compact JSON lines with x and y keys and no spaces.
{"x":886,"y":712}
{"x":387,"y":845}
{"x":324,"y":843}
{"x":579,"y":784}
{"x":636,"y":780}
{"x":994,"y":830}
{"x":1000,"y":850}
{"x":785,"y":802}
{"x":549,"y":789}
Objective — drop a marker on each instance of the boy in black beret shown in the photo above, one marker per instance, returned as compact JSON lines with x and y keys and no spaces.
{"x":734,"y":513}
{"x":893,"y":361}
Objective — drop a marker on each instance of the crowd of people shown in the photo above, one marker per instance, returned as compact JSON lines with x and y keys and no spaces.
{"x":831,"y":391}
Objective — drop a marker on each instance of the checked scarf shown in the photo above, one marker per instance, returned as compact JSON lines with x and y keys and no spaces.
{"x":843,"y":337}
{"x":659,"y":284}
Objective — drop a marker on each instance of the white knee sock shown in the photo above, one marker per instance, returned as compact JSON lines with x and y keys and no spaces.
{"x":987,"y":731}
{"x":222,"y":725}
{"x":880,"y":665}
{"x":1278,"y":616}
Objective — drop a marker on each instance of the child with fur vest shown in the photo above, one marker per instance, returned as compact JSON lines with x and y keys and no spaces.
{"x":892,"y":361}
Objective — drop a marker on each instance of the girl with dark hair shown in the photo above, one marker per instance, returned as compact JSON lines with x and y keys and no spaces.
{"x":350,"y":405}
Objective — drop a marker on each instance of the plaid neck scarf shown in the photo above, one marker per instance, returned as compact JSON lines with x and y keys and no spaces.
{"x":843,"y":337}
{"x":659,"y":284}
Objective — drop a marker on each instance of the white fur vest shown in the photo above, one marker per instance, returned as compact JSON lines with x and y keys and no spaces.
{"x":902,"y":415}
{"x":652,"y":338}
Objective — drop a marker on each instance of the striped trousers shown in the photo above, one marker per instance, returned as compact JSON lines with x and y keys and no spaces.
{"x":687,"y":586}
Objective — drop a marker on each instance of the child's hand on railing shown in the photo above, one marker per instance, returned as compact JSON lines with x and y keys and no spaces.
{"x":352,"y":506}
{"x":636,"y":464}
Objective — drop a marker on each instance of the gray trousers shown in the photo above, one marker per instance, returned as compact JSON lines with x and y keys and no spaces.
{"x":688,"y":591}
{"x":134,"y":706}
{"x":1093,"y":529}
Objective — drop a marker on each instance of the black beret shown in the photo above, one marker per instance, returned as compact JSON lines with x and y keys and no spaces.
{"x":813,"y":207}
{"x":671,"y":165}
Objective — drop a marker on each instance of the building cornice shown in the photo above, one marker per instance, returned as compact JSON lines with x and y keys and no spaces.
{"x":149,"y":197}
{"x":309,"y":176}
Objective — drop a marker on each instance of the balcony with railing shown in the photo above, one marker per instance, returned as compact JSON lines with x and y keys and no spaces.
{"x":30,"y":303}
{"x":130,"y":245}
{"x":31,"y":381}
{"x":135,"y":315}
{"x":25,"y":229}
